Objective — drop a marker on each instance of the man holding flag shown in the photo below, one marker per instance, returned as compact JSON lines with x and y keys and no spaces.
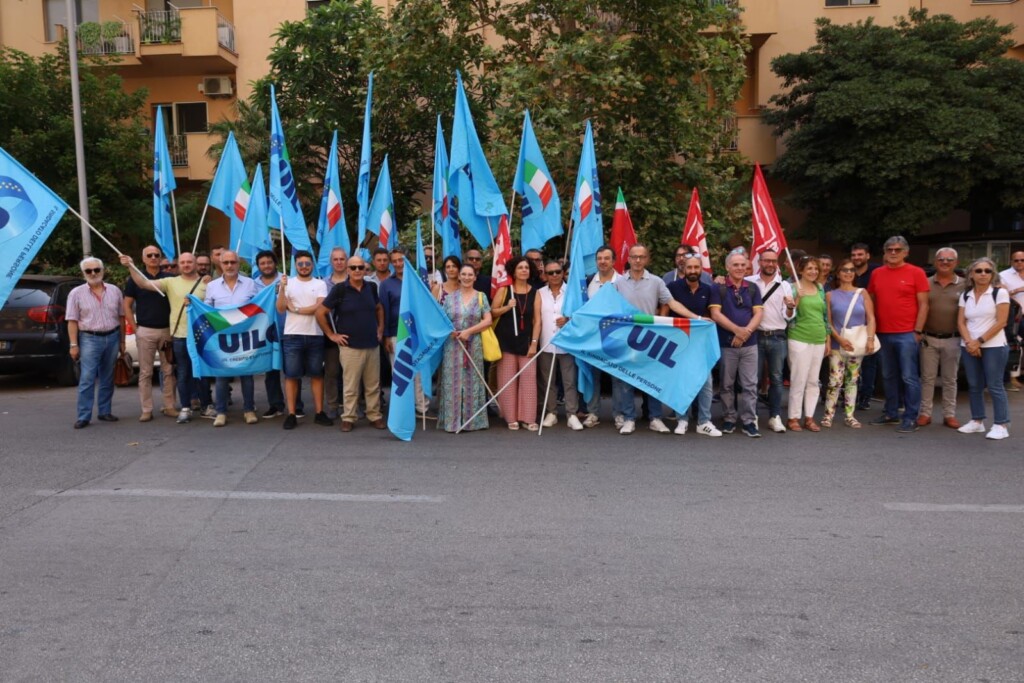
{"x":391,"y":300}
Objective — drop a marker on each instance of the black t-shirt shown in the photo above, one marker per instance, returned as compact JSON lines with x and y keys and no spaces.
{"x":483,"y":284}
{"x":863,"y":280}
{"x":151,"y":309}
{"x":522,"y":322}
{"x":355,"y":313}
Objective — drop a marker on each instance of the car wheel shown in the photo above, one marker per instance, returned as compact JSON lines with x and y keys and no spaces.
{"x":67,"y":372}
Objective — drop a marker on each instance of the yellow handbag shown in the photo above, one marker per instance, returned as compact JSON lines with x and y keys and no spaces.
{"x":492,"y":351}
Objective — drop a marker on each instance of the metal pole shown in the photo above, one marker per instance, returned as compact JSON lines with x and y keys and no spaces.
{"x":76,"y":115}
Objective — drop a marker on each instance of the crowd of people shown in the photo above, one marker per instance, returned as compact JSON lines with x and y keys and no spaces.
{"x":852,"y":317}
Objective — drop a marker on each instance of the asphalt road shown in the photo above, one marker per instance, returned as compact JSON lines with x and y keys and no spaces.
{"x":153,"y":552}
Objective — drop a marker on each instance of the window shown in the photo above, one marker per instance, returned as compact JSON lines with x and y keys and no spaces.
{"x":316,"y":4}
{"x":55,"y":13}
{"x":190,"y":117}
{"x":849,"y":3}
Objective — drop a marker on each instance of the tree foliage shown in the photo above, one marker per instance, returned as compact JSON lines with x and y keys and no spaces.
{"x":888,"y":129}
{"x":37,"y":129}
{"x":656,"y":78}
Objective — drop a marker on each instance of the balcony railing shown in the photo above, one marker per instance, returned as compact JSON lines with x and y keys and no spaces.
{"x":177,"y":146}
{"x":108,"y":38}
{"x":225,"y":33}
{"x":160,"y":26}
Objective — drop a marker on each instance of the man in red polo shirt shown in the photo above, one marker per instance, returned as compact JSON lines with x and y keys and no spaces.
{"x":900,"y":293}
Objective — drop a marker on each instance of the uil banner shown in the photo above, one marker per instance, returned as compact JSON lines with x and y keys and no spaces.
{"x":228,"y":342}
{"x":668,"y":358}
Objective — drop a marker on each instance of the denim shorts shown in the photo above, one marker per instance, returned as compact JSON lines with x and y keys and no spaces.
{"x":303,"y":355}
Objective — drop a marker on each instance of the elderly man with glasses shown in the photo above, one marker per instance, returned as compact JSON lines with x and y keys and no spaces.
{"x":900,"y":294}
{"x":552,"y":295}
{"x":149,"y":314}
{"x":940,"y":344}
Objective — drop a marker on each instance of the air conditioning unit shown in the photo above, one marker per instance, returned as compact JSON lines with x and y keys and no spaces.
{"x":216,"y":86}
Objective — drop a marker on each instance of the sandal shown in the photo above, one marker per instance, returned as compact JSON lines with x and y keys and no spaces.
{"x":826,"y":422}
{"x":532,"y":427}
{"x":852,"y":422}
{"x":513,"y":426}
{"x":811,"y":426}
{"x":794,"y":426}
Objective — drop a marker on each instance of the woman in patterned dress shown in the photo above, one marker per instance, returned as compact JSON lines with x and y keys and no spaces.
{"x":463,"y":392}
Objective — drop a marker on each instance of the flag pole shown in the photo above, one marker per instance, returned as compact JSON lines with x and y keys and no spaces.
{"x":116,"y":250}
{"x":511,"y":202}
{"x":199,"y":230}
{"x":174,"y":212}
{"x":568,"y":239}
{"x":475,"y":367}
{"x":498,"y":393}
{"x":547,"y":392}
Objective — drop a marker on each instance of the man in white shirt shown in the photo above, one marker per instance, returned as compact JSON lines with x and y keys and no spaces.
{"x":552,"y":295}
{"x":777,"y":299}
{"x":302,"y":340}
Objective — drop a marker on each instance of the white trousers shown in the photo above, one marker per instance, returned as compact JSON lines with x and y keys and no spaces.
{"x":804,"y":368}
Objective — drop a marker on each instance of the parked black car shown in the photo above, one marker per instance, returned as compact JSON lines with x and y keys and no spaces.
{"x":33,"y":332}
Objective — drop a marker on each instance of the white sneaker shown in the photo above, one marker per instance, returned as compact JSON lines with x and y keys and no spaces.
{"x":998,"y":432}
{"x":209,"y":412}
{"x":775,"y":424}
{"x":681,"y":427}
{"x":184,"y":416}
{"x":657,"y":425}
{"x":708,"y":429}
{"x":591,"y":420}
{"x":574,"y":423}
{"x":628,"y":427}
{"x":220,"y":420}
{"x":619,"y":421}
{"x":973,"y":427}
{"x":250,"y":418}
{"x":550,"y":420}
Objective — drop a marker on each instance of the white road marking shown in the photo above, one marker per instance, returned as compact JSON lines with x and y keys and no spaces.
{"x":250,"y":495}
{"x":956,"y":507}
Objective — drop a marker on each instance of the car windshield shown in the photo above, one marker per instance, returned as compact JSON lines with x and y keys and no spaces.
{"x":25,"y":297}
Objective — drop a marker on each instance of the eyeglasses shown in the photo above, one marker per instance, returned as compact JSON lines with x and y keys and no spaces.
{"x":304,"y":264}
{"x":537,"y":260}
{"x":357,"y":267}
{"x":155,"y":255}
{"x":92,"y":271}
{"x":229,"y":263}
{"x":894,"y":250}
{"x":946,"y":260}
{"x":474,"y":258}
{"x":167,"y":267}
{"x":1018,"y":260}
{"x":552,"y":272}
{"x":982,"y":271}
{"x":637,"y":257}
{"x":769,"y":260}
{"x":847,"y":270}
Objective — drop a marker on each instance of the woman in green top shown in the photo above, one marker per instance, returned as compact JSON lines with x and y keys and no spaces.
{"x":808,"y":333}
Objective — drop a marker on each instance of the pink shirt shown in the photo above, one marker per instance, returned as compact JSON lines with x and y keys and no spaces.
{"x":95,"y":314}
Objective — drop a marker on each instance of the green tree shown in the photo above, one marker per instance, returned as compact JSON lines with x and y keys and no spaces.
{"x":888,"y":129}
{"x":36,"y":128}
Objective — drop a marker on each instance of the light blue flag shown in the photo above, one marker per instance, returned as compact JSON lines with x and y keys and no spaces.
{"x":230,"y":342}
{"x":163,"y":186}
{"x":541,"y":208}
{"x":423,"y":329}
{"x":380,"y":218}
{"x":230,"y":190}
{"x":445,"y":221}
{"x":363,"y":180}
{"x":471,"y":186}
{"x":331,"y":230}
{"x":668,"y":358}
{"x":421,"y":256}
{"x":575,"y":298}
{"x":586,"y":205}
{"x":29,"y":212}
{"x":285,"y":211}
{"x":255,"y":233}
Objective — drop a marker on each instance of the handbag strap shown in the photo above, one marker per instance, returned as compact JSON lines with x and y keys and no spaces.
{"x":849,"y":309}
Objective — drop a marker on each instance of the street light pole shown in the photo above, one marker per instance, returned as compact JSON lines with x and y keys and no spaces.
{"x":76,"y":114}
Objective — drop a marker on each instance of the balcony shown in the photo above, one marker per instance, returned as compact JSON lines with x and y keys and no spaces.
{"x":189,"y":157}
{"x":187,"y":41}
{"x":109,"y":38}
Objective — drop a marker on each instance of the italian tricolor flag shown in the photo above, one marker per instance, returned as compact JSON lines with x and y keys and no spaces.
{"x":242,"y":200}
{"x":223,"y":319}
{"x":623,"y":235}
{"x":584,"y":199}
{"x":539,"y":182}
{"x":384,"y":231}
{"x":333,"y":210}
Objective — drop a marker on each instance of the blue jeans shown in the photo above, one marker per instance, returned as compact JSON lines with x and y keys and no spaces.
{"x":772,"y":350}
{"x":703,"y":401}
{"x":188,"y":385}
{"x":623,"y":401}
{"x":901,"y":366}
{"x":868,"y":372}
{"x":983,"y":372}
{"x":96,"y":360}
{"x":248,"y":398}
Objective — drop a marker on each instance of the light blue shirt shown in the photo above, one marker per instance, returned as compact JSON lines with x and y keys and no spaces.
{"x":219,"y":295}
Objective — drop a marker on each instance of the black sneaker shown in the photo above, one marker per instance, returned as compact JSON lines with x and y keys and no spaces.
{"x":885,"y":420}
{"x":300,"y":413}
{"x":907,"y":427}
{"x":271,"y":413}
{"x":728,"y":427}
{"x":290,"y":422}
{"x":750,"y":429}
{"x":322,"y":419}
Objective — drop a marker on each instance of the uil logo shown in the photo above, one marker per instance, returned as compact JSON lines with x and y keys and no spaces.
{"x":407,"y":342}
{"x":285,"y":170}
{"x":17,"y":212}
{"x":622,"y":336}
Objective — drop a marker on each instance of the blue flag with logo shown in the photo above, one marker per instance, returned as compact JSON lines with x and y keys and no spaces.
{"x":363,"y":179}
{"x":331,"y":230}
{"x":230,"y":342}
{"x":29,"y":212}
{"x":541,"y":208}
{"x":380,"y":218}
{"x":254,"y":236}
{"x":284,"y":213}
{"x":586,"y":205}
{"x":423,"y":329}
{"x":445,"y":222}
{"x":575,"y":298}
{"x":667,"y":358}
{"x":163,"y":186}
{"x":230,"y":190}
{"x":472,"y":189}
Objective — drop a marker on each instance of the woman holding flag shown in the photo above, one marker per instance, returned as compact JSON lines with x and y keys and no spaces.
{"x":518,"y":309}
{"x":463,"y":392}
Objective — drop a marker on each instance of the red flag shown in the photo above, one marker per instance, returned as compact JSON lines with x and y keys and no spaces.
{"x":767,"y":231}
{"x":693,"y":232}
{"x":623,"y":235}
{"x":502,"y":253}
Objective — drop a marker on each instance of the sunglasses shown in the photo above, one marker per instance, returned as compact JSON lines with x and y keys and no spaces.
{"x":552,"y":272}
{"x":983,"y":271}
{"x":847,"y":270}
{"x":151,"y":255}
{"x":357,"y":267}
{"x":304,"y":264}
{"x":229,"y":263}
{"x":946,"y":260}
{"x":92,"y":271}
{"x":1018,"y":260}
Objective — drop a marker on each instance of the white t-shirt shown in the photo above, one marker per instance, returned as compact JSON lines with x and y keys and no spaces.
{"x":980,"y":315}
{"x":596,"y":284}
{"x":551,"y":308}
{"x":1012,"y":280}
{"x":301,"y":294}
